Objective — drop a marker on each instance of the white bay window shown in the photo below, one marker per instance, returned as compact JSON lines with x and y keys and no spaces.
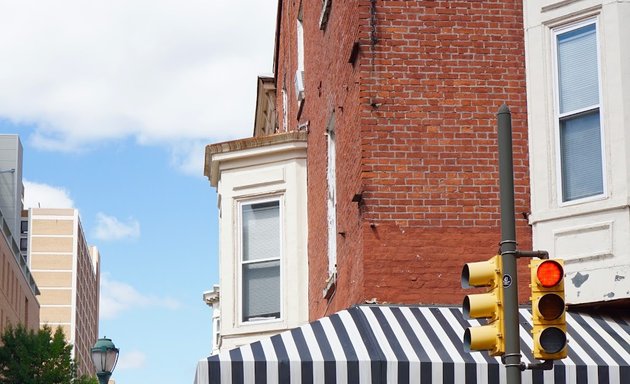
{"x":263,"y":243}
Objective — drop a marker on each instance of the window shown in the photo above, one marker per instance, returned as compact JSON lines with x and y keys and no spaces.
{"x":578,"y":112}
{"x":23,"y":244}
{"x":260,"y":260}
{"x":216,"y":333}
{"x":299,"y":73}
{"x":285,"y":111}
{"x":323,"y":17}
{"x":26,"y":311}
{"x":24,"y":226}
{"x":332,"y":197}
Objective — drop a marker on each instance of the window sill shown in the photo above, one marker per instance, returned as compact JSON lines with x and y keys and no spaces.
{"x":252,"y":327}
{"x":245,"y":329}
{"x":597,"y":206}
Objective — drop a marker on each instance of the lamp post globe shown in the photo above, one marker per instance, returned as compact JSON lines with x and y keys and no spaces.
{"x":104,"y":357}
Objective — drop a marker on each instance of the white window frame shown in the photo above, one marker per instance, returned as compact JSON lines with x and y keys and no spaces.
{"x":299,"y":73}
{"x":285,"y":111}
{"x":216,"y":332}
{"x":558,"y":116}
{"x":300,"y":39}
{"x":239,"y":259}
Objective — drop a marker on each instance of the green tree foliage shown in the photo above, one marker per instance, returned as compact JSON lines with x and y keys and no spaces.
{"x":41,"y":357}
{"x":86,"y":380}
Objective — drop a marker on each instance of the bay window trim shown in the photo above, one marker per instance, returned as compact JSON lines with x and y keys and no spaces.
{"x":559,"y":117}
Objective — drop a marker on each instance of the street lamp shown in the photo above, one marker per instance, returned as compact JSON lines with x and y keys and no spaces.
{"x":104,"y":356}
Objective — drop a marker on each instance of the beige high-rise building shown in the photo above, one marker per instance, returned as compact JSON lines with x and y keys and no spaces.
{"x":67,"y":273}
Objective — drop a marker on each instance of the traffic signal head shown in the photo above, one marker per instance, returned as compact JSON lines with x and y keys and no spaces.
{"x":548,"y":309}
{"x":488,"y":305}
{"x":481,"y":273}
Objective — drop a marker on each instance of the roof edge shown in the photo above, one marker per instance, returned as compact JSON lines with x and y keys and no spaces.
{"x":211,"y":166}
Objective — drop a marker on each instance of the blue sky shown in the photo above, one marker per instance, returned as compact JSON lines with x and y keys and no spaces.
{"x":114,"y":102}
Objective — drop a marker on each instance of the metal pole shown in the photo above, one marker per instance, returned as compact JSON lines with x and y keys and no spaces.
{"x":103,"y":377}
{"x":512,"y":357}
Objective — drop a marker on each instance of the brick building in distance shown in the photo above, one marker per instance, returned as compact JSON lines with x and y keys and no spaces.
{"x":372,"y":177}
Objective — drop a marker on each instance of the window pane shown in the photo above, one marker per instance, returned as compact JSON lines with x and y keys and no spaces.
{"x":581,"y":156}
{"x":261,"y":290}
{"x":577,"y":69}
{"x":261,"y":231}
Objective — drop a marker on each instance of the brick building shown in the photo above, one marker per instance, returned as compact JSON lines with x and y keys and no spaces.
{"x":400,"y":110}
{"x":18,"y":290}
{"x":397,"y":102}
{"x":408,"y":91}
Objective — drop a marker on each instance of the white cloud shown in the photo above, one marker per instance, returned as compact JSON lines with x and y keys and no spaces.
{"x":131,"y":360}
{"x":173,"y":70}
{"x":189,"y":157}
{"x":117,"y":297}
{"x":110,"y":228}
{"x":38,"y":195}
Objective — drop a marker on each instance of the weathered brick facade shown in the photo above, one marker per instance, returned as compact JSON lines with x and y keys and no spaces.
{"x":415,"y":121}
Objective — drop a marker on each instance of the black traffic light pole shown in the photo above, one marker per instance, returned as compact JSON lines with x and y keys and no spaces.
{"x":512,"y":357}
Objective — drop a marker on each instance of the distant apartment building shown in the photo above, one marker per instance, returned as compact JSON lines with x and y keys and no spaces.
{"x":18,"y":291}
{"x":67,"y":272}
{"x":11,"y":188}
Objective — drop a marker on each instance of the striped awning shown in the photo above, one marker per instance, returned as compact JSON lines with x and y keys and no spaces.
{"x":415,"y":344}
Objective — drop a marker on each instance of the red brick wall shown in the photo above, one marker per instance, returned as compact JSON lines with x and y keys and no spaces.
{"x":431,"y":88}
{"x":331,"y":83}
{"x":416,"y":135}
{"x":18,"y":303}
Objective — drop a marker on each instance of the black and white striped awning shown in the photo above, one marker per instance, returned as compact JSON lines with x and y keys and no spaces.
{"x":418,"y":344}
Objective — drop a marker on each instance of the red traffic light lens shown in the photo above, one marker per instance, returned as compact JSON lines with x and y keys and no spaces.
{"x":549,"y":273}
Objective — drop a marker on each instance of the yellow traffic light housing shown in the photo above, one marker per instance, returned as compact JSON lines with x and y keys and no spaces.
{"x":549,"y":329}
{"x":487,"y":305}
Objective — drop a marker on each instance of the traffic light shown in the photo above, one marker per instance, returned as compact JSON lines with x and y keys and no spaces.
{"x":549,"y":330}
{"x":487,"y":305}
